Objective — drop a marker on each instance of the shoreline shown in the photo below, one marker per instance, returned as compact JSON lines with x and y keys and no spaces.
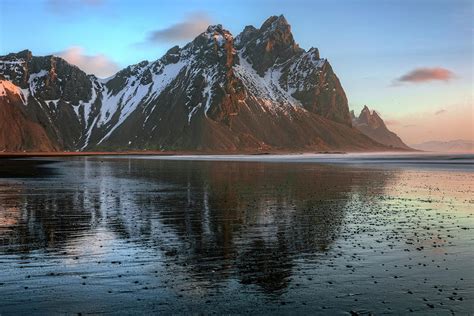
{"x":10,"y":155}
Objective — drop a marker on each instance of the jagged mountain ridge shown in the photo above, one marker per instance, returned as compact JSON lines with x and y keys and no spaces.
{"x":260,"y":91}
{"x":371,"y":124}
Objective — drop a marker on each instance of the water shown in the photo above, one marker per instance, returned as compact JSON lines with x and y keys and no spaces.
{"x":262,"y":234}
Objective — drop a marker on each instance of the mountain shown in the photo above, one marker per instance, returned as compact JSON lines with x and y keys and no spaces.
{"x":458,"y":146}
{"x":17,"y":130}
{"x":257,"y":91}
{"x":372,"y":125}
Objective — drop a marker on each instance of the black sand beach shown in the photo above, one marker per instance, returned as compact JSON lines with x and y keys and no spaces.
{"x":263,"y":235}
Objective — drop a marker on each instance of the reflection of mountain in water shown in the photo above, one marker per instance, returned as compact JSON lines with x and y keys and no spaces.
{"x":18,"y":168}
{"x":213,"y":220}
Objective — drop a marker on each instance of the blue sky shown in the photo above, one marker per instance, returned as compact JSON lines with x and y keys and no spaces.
{"x":370,"y":43}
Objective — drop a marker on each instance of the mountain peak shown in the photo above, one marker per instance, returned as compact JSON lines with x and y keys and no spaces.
{"x":272,"y":44}
{"x":215,"y":28}
{"x":214,"y":44}
{"x":370,"y":117}
{"x":246,"y":35}
{"x":256,"y":92}
{"x":23,"y":55}
{"x":274,"y":22}
{"x":371,"y":124}
{"x":215,"y":34}
{"x":313,"y":51}
{"x":277,"y":28}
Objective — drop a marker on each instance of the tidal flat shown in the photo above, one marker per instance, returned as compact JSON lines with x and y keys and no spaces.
{"x":235,"y":235}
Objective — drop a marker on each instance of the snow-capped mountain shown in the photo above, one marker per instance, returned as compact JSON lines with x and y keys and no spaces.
{"x":371,"y":124}
{"x":257,"y":91}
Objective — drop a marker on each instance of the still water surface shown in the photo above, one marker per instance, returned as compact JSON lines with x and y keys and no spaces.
{"x":265,"y":235}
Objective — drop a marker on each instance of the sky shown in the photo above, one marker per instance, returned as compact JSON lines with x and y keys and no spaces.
{"x":410,"y":60}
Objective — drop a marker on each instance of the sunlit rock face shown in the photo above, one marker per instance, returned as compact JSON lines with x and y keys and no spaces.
{"x":257,"y":91}
{"x":372,"y":125}
{"x":18,"y":131}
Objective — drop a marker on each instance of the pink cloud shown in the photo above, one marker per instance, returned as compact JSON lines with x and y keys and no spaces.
{"x":187,"y":29}
{"x":99,"y":65}
{"x":427,"y":74}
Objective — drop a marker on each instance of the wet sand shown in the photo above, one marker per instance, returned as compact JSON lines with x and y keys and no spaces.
{"x":148,"y":153}
{"x":127,"y":235}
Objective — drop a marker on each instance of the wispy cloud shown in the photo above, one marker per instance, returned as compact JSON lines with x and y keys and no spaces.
{"x":419,"y":75}
{"x":70,"y":6}
{"x":419,"y":126}
{"x":99,"y":65}
{"x":392,"y":122}
{"x":187,"y":29}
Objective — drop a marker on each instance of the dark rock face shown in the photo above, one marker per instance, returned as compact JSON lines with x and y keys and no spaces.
{"x":50,"y":77}
{"x":54,"y":90}
{"x":372,"y":125}
{"x":18,"y":132}
{"x":317,"y":87}
{"x":259,"y":91}
{"x":272,"y":43}
{"x":304,"y":75}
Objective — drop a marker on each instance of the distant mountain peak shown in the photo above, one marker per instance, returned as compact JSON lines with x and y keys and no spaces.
{"x":371,"y":118}
{"x":371,"y":124}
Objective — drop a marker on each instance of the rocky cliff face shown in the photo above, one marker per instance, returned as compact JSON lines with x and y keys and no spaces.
{"x":18,"y":132}
{"x":257,"y":91}
{"x":273,"y":54}
{"x":372,"y":125}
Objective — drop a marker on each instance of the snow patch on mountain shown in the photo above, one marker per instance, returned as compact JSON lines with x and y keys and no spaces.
{"x":89,"y":133}
{"x":306,"y":65}
{"x":35,"y":81}
{"x":126,"y":101}
{"x":16,"y":66}
{"x":87,"y":106}
{"x":52,"y":104}
{"x":209,"y":79}
{"x":267,"y":88}
{"x":165,"y":75}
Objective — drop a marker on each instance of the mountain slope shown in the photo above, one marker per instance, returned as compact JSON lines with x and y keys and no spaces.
{"x":18,"y":132}
{"x":259,"y":91}
{"x":372,"y":125}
